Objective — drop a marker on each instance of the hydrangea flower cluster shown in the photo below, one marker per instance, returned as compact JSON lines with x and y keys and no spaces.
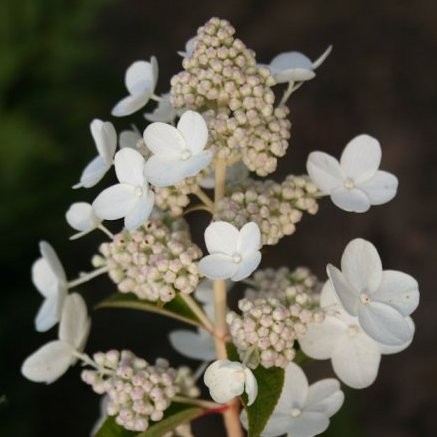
{"x":275,"y":207}
{"x":219,"y":122}
{"x":154,"y":261}
{"x":266,"y":330}
{"x":137,"y":391}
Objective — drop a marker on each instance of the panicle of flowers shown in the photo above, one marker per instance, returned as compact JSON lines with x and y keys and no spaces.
{"x":137,"y":391}
{"x":154,"y":262}
{"x":267,"y":329}
{"x":222,"y":80}
{"x":275,"y":207}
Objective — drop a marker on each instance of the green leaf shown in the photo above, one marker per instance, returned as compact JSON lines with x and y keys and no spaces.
{"x":112,"y":429}
{"x":270,"y":383}
{"x":175,"y":415}
{"x":176,"y":308}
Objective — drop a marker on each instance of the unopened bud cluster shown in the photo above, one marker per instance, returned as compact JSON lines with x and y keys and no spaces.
{"x":274,"y":207}
{"x":298,"y":287}
{"x":154,"y":261}
{"x":222,"y":80}
{"x":137,"y":391}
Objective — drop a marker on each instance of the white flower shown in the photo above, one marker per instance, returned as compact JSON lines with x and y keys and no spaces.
{"x":234,"y":174}
{"x":177,"y":152}
{"x":355,"y":182}
{"x":295,"y":66}
{"x":228,"y":379}
{"x":302,"y":410}
{"x":105,"y":139}
{"x":81,"y":217}
{"x":164,"y":112}
{"x":354,"y":355}
{"x":52,"y":360}
{"x":49,"y":278}
{"x":131,"y":198}
{"x":381,"y":300}
{"x":234,"y":253}
{"x":189,"y":48}
{"x":198,"y":345}
{"x":130,"y":138}
{"x":140,"y":81}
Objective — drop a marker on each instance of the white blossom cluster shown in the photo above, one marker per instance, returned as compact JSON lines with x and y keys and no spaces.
{"x":154,"y":262}
{"x":275,"y":207}
{"x":137,"y":391}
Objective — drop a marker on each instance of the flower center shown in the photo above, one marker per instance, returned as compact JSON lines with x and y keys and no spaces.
{"x":364,"y":298}
{"x":236,"y":257}
{"x":296,"y":412}
{"x":139,"y":191}
{"x":349,"y":184}
{"x":186,"y":154}
{"x":353,"y":330}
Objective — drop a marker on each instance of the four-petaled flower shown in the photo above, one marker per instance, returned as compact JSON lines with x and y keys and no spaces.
{"x":53,"y":359}
{"x":355,"y":182}
{"x":81,"y":217}
{"x":234,"y":253}
{"x":302,"y":410}
{"x":381,"y":300}
{"x":228,"y":379}
{"x":177,"y":152}
{"x":49,"y":278}
{"x":354,"y":355}
{"x":295,"y":66}
{"x":131,"y":198}
{"x":140,"y":81}
{"x":105,"y":139}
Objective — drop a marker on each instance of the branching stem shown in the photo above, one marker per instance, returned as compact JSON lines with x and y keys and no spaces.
{"x":85,"y":277}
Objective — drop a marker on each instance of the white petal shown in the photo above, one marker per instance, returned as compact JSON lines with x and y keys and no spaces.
{"x":130,"y":104}
{"x":49,"y":313}
{"x":249,"y":240}
{"x":192,"y":345}
{"x":221,"y":237}
{"x":193,"y":128}
{"x":308,"y":424}
{"x":48,"y":363}
{"x":328,"y":297}
{"x":247,"y":266}
{"x":129,"y":167}
{"x":398,"y":290}
{"x":384,"y":324}
{"x":356,"y":362}
{"x":141,"y":212}
{"x":129,"y":138}
{"x":347,"y":295}
{"x":93,"y":173}
{"x":321,"y":59}
{"x":277,"y":425}
{"x":139,"y":77}
{"x":164,"y":140}
{"x":361,"y":266}
{"x":324,"y":170}
{"x":80,"y":216}
{"x":380,"y":188}
{"x":251,"y":386}
{"x":155,"y":70}
{"x":50,"y":255}
{"x":217,"y":266}
{"x":164,"y":112}
{"x":74,"y":325}
{"x":115,"y":202}
{"x":325,"y":397}
{"x":321,"y":339}
{"x":44,"y":278}
{"x":294,"y":391}
{"x":105,"y":137}
{"x":350,"y":200}
{"x":389,"y":350}
{"x":204,"y":292}
{"x":361,"y":158}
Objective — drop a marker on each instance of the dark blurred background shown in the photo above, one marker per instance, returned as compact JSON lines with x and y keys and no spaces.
{"x":62,"y":64}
